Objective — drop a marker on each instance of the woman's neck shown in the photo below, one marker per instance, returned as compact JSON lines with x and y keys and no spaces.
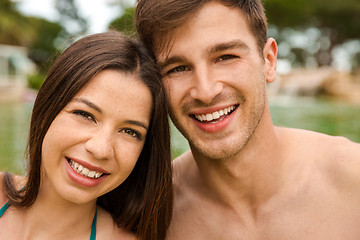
{"x":51,"y":217}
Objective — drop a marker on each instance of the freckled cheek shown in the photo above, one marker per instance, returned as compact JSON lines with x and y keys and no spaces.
{"x":53,"y":139}
{"x":127,"y":154}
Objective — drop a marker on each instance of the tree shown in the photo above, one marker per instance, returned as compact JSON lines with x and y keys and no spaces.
{"x":14,"y":27}
{"x":125,"y":23}
{"x":43,"y":48}
{"x":336,"y":20}
{"x":70,"y":18}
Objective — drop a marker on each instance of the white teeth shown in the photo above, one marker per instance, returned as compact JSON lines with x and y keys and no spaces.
{"x":84,"y":171}
{"x":92,"y":174}
{"x":215,"y":115}
{"x":209,"y":117}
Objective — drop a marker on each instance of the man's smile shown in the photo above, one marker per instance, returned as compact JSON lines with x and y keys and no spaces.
{"x":215,"y":116}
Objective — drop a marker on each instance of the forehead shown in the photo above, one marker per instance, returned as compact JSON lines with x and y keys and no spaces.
{"x":212,"y":23}
{"x":115,"y":90}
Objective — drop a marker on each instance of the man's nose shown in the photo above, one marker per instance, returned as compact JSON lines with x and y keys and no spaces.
{"x":206,"y":85}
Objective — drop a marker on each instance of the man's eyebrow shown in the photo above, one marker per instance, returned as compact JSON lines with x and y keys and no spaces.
{"x":90,"y":104}
{"x":138,"y":123}
{"x":169,"y":61}
{"x":235,"y":44}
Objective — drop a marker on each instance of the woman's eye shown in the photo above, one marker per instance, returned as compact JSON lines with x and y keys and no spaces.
{"x":226,"y":57}
{"x":132,"y":133}
{"x":85,"y":115}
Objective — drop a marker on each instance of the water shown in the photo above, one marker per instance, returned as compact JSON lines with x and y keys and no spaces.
{"x":334,"y":118}
{"x":14,"y":121}
{"x":326,"y":116}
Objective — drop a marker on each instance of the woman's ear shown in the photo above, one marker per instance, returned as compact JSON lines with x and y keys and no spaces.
{"x":270,"y":57}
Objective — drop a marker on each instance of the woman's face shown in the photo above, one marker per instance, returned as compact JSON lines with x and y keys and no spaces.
{"x":93,"y":144}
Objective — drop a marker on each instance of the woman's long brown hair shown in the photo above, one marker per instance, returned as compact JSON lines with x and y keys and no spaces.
{"x":142,"y":204}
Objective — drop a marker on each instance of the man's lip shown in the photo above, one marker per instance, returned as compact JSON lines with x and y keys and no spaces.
{"x":88,"y":165}
{"x":215,"y":126}
{"x":210,"y":110}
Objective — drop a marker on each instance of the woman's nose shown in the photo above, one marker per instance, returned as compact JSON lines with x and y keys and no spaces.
{"x":100,"y":145}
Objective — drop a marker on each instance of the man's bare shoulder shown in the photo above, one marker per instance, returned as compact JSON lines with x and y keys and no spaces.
{"x":188,"y":183}
{"x":320,"y":142}
{"x":189,"y":202}
{"x":336,"y":157}
{"x":343,"y":165}
{"x":182,"y":164}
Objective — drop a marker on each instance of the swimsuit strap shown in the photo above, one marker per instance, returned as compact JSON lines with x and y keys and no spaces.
{"x":4,"y":208}
{"x":93,"y":227}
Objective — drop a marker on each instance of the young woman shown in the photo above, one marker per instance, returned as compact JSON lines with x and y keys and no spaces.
{"x":99,"y":149}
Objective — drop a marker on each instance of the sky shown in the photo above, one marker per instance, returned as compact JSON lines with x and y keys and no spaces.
{"x":99,"y":13}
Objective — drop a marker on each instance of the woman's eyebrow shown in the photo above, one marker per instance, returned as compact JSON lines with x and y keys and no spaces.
{"x":97,"y":108}
{"x":138,"y":123}
{"x":88,"y":103}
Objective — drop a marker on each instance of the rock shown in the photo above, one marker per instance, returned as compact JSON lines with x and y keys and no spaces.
{"x":318,"y":82}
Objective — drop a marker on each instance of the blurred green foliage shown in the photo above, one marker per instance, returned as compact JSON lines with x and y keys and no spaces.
{"x":40,"y":36}
{"x":36,"y":80}
{"x":74,"y":24}
{"x":125,"y":23}
{"x":343,"y":16}
{"x":337,"y":21}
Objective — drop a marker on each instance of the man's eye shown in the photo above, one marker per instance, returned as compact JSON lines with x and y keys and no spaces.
{"x":132,"y":133}
{"x":226,"y":57}
{"x":178,"y":69}
{"x":85,"y":115}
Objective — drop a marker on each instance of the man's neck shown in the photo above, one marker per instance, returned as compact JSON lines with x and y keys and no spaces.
{"x":251,"y":177}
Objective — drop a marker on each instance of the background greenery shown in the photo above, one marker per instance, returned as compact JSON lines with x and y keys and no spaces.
{"x":336,"y":21}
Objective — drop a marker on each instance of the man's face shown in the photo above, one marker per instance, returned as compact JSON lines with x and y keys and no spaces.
{"x":215,"y":79}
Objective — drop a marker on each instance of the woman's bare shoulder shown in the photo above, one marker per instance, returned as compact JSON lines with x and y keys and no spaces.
{"x":107,"y":228}
{"x":3,"y":199}
{"x":18,"y":181}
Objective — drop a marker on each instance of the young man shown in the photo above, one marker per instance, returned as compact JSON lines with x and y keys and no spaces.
{"x":244,"y":178}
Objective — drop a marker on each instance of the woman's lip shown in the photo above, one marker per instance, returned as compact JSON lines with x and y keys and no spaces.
{"x":88,"y":165}
{"x":82,"y":180}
